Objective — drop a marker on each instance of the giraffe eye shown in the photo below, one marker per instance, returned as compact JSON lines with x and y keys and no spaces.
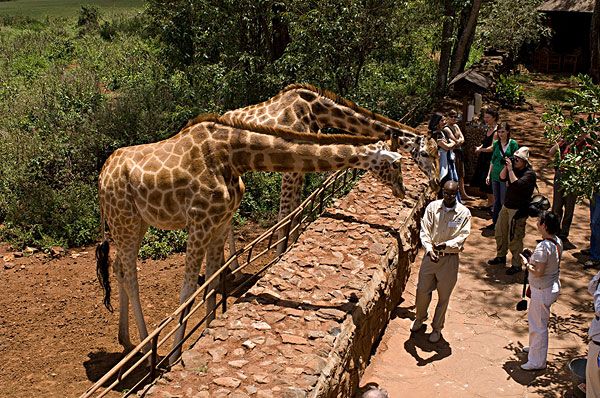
{"x":424,"y":154}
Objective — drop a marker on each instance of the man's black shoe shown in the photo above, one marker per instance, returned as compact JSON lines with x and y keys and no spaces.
{"x":513,"y":270}
{"x":497,"y":260}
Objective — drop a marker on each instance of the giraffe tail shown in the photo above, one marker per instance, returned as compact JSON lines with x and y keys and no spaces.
{"x":102,"y":271}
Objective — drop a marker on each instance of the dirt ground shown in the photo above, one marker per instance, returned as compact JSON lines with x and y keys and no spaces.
{"x":57,"y":338}
{"x":481,"y":349}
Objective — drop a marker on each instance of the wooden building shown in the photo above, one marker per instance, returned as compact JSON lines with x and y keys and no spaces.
{"x":568,"y":49}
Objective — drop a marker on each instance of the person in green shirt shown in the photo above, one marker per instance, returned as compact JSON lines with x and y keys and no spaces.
{"x":504,"y":147}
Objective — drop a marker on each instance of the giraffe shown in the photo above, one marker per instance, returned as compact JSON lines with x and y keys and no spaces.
{"x":193,"y":180}
{"x":307,"y":109}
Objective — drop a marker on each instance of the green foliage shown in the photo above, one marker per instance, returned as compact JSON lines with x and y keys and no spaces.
{"x":475,"y":56}
{"x":75,"y":90}
{"x":261,"y":200}
{"x":551,"y":95}
{"x":509,"y":92}
{"x":88,"y":20}
{"x":509,"y":24}
{"x":61,"y":116}
{"x":159,"y":243}
{"x":581,"y":169}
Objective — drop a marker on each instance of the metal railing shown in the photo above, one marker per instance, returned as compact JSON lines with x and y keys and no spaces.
{"x":294,"y":223}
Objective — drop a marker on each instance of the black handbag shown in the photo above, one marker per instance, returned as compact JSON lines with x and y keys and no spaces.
{"x":537,"y":204}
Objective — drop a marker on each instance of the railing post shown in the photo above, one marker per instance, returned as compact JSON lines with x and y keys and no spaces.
{"x":333,"y":185}
{"x":153,"y":357}
{"x":224,"y":291}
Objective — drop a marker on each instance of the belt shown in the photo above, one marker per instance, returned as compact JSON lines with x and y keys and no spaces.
{"x":442,"y":254}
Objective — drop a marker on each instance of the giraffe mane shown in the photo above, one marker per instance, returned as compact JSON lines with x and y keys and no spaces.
{"x":349,"y":104}
{"x":205,"y":117}
{"x":287,"y":134}
{"x":291,"y":135}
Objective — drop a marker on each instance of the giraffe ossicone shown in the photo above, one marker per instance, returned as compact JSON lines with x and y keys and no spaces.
{"x":192,"y":180}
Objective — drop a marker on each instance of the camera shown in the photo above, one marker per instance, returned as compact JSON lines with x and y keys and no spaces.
{"x":526,"y":253}
{"x":512,"y":159}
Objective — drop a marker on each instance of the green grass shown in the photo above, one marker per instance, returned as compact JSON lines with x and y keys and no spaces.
{"x":39,"y":9}
{"x":550,"y":95}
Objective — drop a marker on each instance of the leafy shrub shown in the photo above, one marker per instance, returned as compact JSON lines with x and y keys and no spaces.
{"x":508,"y":92}
{"x":579,"y":118}
{"x":159,"y":243}
{"x":261,"y":200}
{"x":88,"y":20}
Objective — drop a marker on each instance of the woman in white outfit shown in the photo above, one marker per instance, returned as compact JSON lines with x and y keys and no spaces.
{"x":592,"y":370}
{"x":544,"y":269}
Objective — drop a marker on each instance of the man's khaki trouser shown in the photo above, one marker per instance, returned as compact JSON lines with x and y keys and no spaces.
{"x":503,"y":235}
{"x":441,"y":276}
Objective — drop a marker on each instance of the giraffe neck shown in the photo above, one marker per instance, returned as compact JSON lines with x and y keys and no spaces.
{"x":252,"y":151}
{"x":309,"y":110}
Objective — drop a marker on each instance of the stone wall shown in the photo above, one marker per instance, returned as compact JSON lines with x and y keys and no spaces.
{"x":307,"y":328}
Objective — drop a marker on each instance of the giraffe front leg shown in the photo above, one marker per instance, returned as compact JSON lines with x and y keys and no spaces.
{"x":214,"y":261}
{"x":232,"y":250}
{"x":291,"y":191}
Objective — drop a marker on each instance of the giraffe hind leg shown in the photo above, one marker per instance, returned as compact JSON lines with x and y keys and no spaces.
{"x":126,"y":272}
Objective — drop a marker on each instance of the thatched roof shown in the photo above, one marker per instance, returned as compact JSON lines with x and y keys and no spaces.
{"x":472,"y":77}
{"x":567,"y":6}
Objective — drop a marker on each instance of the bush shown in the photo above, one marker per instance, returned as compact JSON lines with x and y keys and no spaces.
{"x":508,"y":92}
{"x":159,"y":243}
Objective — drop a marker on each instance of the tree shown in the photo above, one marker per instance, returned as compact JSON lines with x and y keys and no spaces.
{"x":581,"y":169}
{"x":456,"y":38}
{"x":446,"y":46}
{"x":509,"y":24}
{"x":595,"y":44}
{"x":466,"y":34}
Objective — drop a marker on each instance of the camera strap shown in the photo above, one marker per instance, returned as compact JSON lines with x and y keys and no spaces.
{"x":503,"y":152}
{"x":557,"y":247}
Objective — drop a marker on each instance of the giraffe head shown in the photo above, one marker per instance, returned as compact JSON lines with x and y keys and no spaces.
{"x":388,"y":168}
{"x":426,"y":155}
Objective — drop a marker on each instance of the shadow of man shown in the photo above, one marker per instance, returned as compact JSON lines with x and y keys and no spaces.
{"x":419,"y":340}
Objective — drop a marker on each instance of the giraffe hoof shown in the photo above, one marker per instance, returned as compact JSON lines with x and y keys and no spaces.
{"x":127,"y":348}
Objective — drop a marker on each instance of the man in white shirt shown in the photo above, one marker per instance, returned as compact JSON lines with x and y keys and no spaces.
{"x":445,"y":226}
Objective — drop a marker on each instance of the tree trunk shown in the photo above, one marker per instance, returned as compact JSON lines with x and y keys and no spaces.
{"x":446,"y":47}
{"x":280,"y":36}
{"x":465,"y":39}
{"x":595,"y":44}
